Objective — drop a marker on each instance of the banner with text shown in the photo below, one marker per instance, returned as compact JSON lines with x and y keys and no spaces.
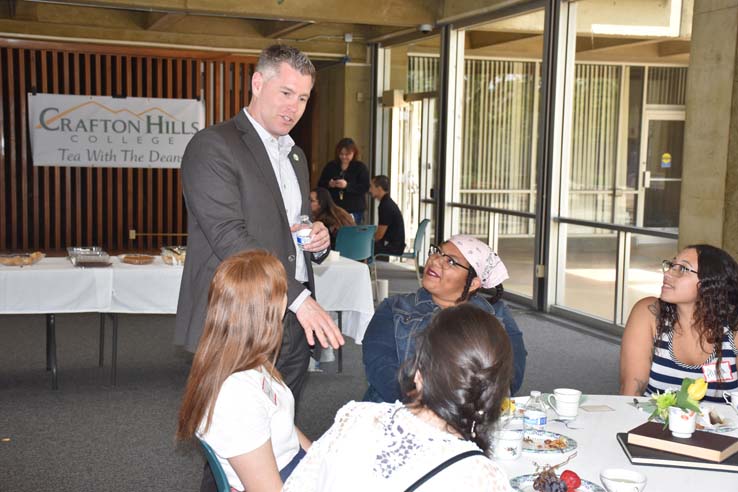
{"x":100,"y":131}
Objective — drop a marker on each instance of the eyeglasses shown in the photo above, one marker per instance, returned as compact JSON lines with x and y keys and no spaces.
{"x":676,"y":269}
{"x":447,"y":260}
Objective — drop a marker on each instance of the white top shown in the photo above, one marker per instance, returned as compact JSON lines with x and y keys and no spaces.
{"x":279,"y":150}
{"x":252,"y":407}
{"x":384,"y":447}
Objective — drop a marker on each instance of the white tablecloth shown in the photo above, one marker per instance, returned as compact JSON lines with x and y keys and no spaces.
{"x":345,"y":285}
{"x":54,"y":285}
{"x":598,"y":449}
{"x":145,"y":289}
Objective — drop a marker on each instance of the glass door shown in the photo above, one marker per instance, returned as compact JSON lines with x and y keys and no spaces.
{"x":661,"y":164}
{"x":417,"y":163}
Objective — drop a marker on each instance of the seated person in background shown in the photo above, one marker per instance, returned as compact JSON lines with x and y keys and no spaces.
{"x":455,"y":383}
{"x":453,"y":274}
{"x":690,"y":331}
{"x":325,"y":210}
{"x":390,"y":235}
{"x":235,"y":399}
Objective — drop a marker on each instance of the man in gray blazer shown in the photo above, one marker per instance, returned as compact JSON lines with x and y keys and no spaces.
{"x":246,"y":184}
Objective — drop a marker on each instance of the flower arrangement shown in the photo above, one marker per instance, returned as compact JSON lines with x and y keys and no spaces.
{"x":687,"y":398}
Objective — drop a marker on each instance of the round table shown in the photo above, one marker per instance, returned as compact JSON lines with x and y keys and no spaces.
{"x":600,"y":418}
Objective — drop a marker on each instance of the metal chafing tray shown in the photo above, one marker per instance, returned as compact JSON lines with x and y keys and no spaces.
{"x":88,"y":257}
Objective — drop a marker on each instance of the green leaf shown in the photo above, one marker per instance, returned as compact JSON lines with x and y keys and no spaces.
{"x":690,"y":404}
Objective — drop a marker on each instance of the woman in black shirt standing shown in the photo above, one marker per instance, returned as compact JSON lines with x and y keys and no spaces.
{"x":347,"y":179}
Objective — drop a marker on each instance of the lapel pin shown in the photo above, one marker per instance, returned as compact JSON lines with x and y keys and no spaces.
{"x":295,"y":157}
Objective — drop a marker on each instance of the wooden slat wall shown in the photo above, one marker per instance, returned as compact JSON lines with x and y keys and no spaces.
{"x":53,"y":208}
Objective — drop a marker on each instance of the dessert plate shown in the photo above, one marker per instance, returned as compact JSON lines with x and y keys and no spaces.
{"x":545,"y":442}
{"x":524,"y":483}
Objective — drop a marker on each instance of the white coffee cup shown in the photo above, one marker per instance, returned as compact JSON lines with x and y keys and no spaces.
{"x":565,"y":402}
{"x":382,"y":289}
{"x":622,"y":480}
{"x":731,"y":398}
{"x":507,"y":444}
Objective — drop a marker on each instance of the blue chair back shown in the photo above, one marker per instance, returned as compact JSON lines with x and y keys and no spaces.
{"x":221,"y":481}
{"x":420,"y":236}
{"x":356,"y":242}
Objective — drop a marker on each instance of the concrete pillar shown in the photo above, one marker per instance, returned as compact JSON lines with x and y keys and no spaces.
{"x":709,"y":198}
{"x":357,"y":107}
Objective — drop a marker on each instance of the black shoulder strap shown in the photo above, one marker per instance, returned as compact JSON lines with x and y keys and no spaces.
{"x":441,"y":467}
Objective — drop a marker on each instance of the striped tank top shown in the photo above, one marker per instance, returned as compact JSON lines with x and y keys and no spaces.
{"x":667,"y":372}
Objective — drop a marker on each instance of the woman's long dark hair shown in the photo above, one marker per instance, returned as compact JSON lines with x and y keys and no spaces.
{"x":330,"y":214}
{"x":466,"y":363}
{"x":717,"y":298}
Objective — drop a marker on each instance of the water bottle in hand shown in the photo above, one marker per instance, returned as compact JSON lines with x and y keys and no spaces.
{"x":303,"y":234}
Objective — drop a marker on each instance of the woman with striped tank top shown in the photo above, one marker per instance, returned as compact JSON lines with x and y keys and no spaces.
{"x":689,"y":331}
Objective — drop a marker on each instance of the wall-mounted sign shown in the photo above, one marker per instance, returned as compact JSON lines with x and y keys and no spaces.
{"x":665,"y":160}
{"x":99,"y":131}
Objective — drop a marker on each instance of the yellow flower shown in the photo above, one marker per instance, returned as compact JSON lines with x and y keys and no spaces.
{"x":697,"y":390}
{"x":508,"y":406}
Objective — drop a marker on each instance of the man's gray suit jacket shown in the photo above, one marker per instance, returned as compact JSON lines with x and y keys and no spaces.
{"x":233,"y":204}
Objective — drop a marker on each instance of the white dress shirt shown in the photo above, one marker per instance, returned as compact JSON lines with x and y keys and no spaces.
{"x":278,"y":150}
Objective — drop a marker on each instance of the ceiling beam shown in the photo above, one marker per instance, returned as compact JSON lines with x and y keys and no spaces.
{"x":591,"y":44}
{"x":672,"y":48}
{"x":161,"y":22}
{"x":246,"y":43}
{"x":277,"y":29}
{"x":377,"y":12}
{"x":484,"y":39}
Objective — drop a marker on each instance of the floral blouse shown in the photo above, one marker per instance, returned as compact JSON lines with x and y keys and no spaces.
{"x":383,"y":446}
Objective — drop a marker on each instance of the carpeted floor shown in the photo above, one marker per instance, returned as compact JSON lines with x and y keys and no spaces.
{"x":89,"y":436}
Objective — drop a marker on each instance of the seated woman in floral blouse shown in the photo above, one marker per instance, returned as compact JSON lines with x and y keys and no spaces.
{"x":455,"y":384}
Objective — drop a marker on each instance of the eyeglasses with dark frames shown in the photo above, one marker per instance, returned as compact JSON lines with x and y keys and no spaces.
{"x":447,"y":260}
{"x":676,"y":269}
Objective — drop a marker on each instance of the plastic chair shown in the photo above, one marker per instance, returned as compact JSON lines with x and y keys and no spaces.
{"x":417,"y":247}
{"x":356,"y":242}
{"x":221,"y":481}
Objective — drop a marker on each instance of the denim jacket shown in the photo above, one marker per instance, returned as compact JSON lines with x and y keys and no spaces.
{"x":390,"y":340}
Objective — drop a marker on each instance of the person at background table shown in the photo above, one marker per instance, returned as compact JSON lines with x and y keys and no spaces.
{"x":246,"y":185}
{"x":390,"y":235}
{"x":454,"y":384}
{"x":235,"y":399}
{"x":347,"y":179}
{"x":689,"y":331}
{"x":458,"y":271}
{"x":325,"y":210}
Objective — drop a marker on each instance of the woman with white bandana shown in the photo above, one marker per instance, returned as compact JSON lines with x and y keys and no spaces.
{"x":457,"y":271}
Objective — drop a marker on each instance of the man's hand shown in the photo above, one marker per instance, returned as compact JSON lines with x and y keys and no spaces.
{"x":316,"y":322}
{"x":320,"y":239}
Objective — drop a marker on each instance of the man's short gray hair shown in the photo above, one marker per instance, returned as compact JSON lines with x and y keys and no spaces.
{"x":272,"y":57}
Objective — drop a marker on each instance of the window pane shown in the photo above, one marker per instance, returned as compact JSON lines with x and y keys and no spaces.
{"x":667,"y":85}
{"x":586,"y":280}
{"x":643,"y":275}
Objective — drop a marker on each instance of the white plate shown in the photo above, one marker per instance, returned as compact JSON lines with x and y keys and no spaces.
{"x":524,"y":483}
{"x":534,"y":441}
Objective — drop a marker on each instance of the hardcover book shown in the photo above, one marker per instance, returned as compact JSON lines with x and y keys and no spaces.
{"x":702,"y":445}
{"x":639,"y":455}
